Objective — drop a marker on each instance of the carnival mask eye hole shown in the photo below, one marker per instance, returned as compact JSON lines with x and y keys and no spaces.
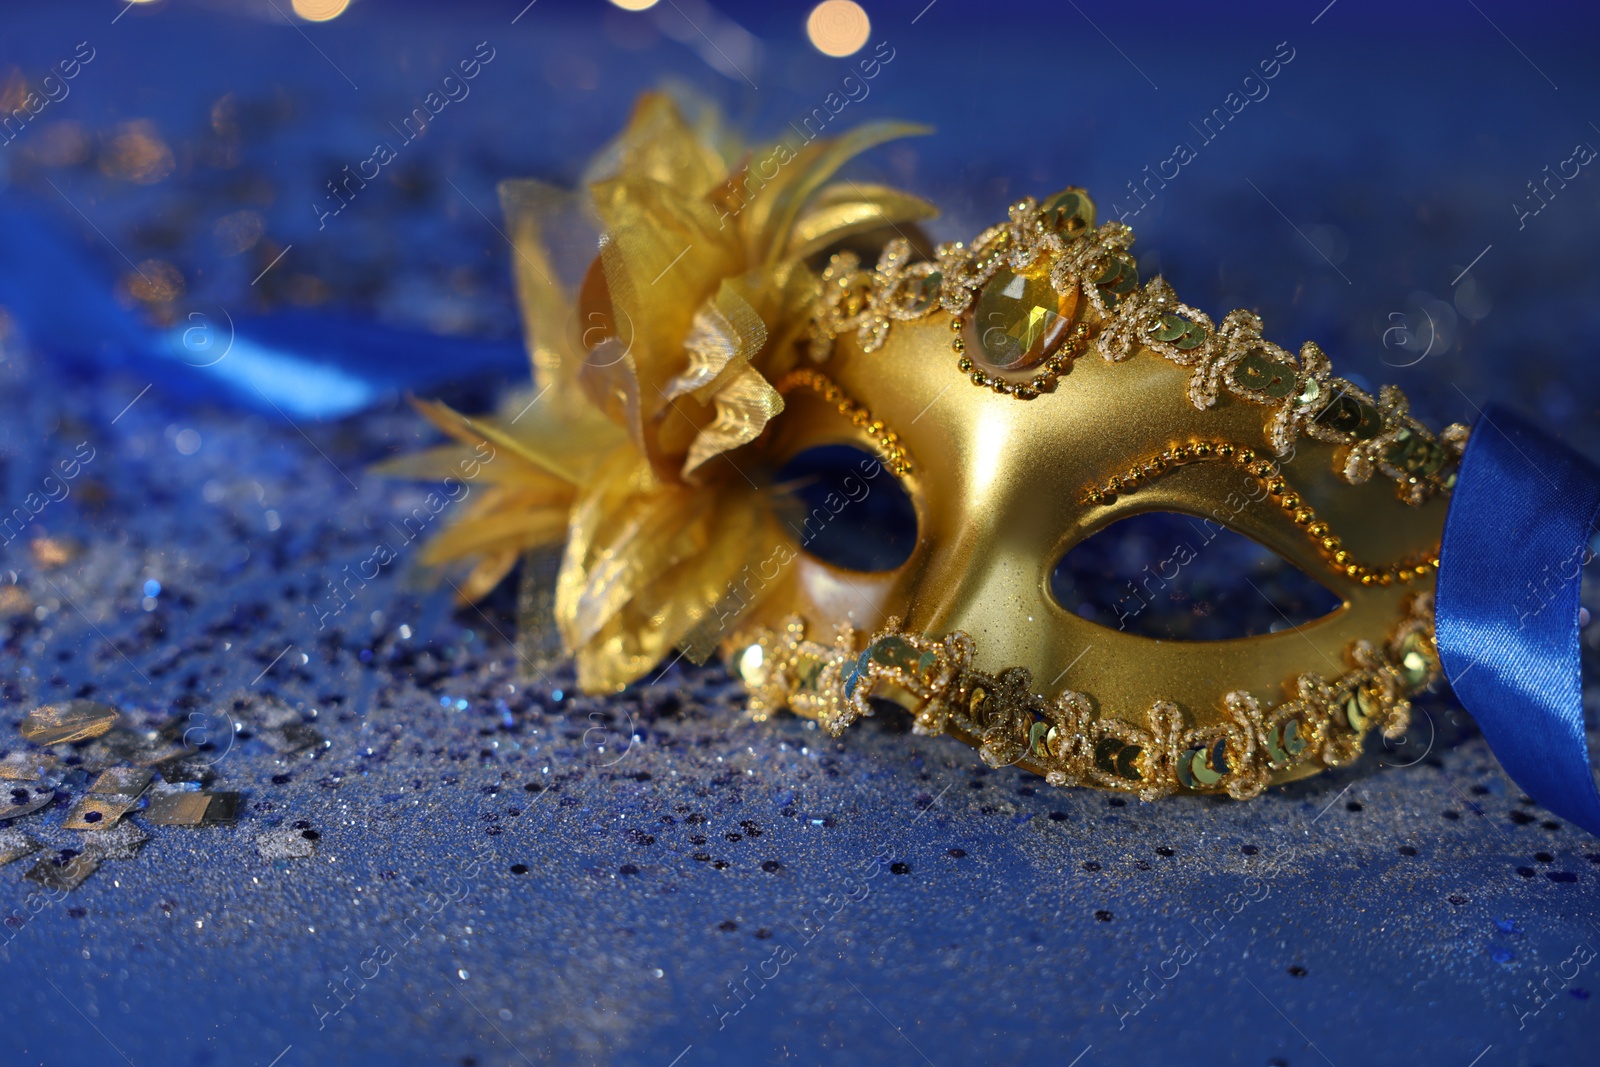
{"x":845,"y":508}
{"x":1177,"y":577}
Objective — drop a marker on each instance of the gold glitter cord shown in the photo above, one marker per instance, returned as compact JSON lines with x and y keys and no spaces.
{"x":1267,"y":473}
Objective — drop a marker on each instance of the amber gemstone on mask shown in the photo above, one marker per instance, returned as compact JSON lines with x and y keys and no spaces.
{"x":1020,"y":319}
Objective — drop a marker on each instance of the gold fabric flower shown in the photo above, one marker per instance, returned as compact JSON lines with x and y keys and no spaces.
{"x":653,"y":379}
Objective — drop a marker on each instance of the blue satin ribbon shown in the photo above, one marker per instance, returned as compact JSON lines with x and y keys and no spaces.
{"x":1507,"y":606}
{"x":297,"y":364}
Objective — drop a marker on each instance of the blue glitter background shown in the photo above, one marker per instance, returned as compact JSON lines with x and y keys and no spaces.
{"x":879,"y":899}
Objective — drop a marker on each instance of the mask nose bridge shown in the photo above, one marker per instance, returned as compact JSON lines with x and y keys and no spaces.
{"x":992,"y":531}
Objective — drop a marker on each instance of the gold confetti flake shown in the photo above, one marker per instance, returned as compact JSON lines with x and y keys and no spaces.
{"x":97,"y":812}
{"x":74,"y":720}
{"x":22,"y":767}
{"x":178,"y":809}
{"x":122,"y":781}
{"x":193,"y":809}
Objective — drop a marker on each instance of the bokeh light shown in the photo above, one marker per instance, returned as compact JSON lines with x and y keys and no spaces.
{"x":635,"y":5}
{"x":320,"y":10}
{"x":838,"y":27}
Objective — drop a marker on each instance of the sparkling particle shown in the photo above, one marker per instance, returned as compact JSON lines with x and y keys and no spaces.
{"x":75,"y":720}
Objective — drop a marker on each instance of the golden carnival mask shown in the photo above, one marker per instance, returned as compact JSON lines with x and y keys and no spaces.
{"x":1026,"y":389}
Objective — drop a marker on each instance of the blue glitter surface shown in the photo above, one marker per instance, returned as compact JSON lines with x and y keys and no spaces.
{"x":476,"y":864}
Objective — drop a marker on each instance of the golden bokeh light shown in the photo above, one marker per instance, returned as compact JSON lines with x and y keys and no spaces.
{"x":320,"y":10}
{"x":838,"y":27}
{"x":635,"y":5}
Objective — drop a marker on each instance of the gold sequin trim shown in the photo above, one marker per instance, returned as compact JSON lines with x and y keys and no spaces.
{"x":1063,"y":739}
{"x":1116,"y":317}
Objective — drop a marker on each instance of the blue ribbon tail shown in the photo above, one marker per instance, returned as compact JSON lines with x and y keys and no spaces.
{"x":297,"y":364}
{"x":1515,"y":542}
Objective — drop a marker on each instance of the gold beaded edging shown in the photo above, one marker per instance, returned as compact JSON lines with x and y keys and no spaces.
{"x":1065,"y":738}
{"x":893,"y":453}
{"x":1271,"y":479}
{"x":1117,"y":317}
